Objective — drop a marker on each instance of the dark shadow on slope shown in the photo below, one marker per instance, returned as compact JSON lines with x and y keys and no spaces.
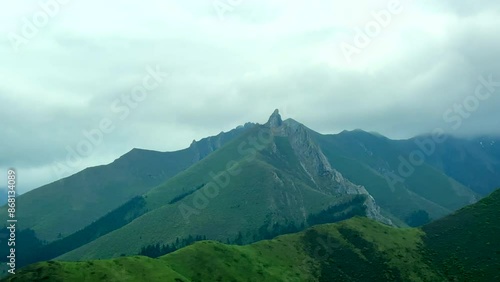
{"x":30,"y":249}
{"x":338,"y":262}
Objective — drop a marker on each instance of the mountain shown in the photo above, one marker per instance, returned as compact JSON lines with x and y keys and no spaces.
{"x":272,"y":177}
{"x":459,"y":247}
{"x":383,"y":167}
{"x":288,"y":175}
{"x":63,"y":207}
{"x":252,"y":183}
{"x":474,"y":162}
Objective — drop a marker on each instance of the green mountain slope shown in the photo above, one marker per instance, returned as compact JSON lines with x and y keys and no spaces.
{"x":68,"y":205}
{"x":466,"y":245}
{"x":358,"y":249}
{"x":123,"y":269}
{"x":473,"y":162}
{"x":29,"y":249}
{"x":374,"y":161}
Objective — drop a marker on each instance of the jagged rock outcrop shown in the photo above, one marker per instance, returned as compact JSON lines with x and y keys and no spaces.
{"x":316,"y":165}
{"x":275,"y":119}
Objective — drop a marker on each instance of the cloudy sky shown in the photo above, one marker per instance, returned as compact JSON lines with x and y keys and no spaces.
{"x":69,"y":68}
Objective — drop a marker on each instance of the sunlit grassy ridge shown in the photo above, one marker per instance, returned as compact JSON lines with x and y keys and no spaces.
{"x":358,"y":248}
{"x":120,"y":269}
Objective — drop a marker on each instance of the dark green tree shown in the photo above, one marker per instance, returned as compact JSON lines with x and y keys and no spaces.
{"x":418,"y":218}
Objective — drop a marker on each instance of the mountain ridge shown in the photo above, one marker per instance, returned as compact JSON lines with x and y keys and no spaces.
{"x":63,"y":207}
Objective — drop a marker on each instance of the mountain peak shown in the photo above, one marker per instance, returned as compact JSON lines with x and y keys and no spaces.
{"x":275,"y":119}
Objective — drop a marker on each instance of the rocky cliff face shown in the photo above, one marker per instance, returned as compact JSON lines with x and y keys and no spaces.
{"x":317,"y":167}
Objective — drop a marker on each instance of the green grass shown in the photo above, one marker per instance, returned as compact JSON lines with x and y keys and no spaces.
{"x":68,"y":205}
{"x":355,"y":249}
{"x":63,"y":207}
{"x":461,"y":247}
{"x":465,"y":244}
{"x":120,"y":269}
{"x":361,"y":157}
{"x":30,"y":250}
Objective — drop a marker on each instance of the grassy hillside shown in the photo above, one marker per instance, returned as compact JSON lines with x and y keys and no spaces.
{"x":365,"y":159}
{"x":63,"y":207}
{"x":460,"y":247}
{"x":358,"y":249}
{"x":29,"y":249}
{"x":122,"y":269}
{"x":465,"y":245}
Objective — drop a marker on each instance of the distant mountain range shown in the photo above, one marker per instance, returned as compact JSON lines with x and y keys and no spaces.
{"x":252,"y":183}
{"x":461,"y":247}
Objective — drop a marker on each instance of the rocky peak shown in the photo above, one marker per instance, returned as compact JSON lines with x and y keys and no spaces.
{"x":275,"y":119}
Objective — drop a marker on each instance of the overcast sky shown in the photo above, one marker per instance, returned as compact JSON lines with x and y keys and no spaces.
{"x":65,"y":68}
